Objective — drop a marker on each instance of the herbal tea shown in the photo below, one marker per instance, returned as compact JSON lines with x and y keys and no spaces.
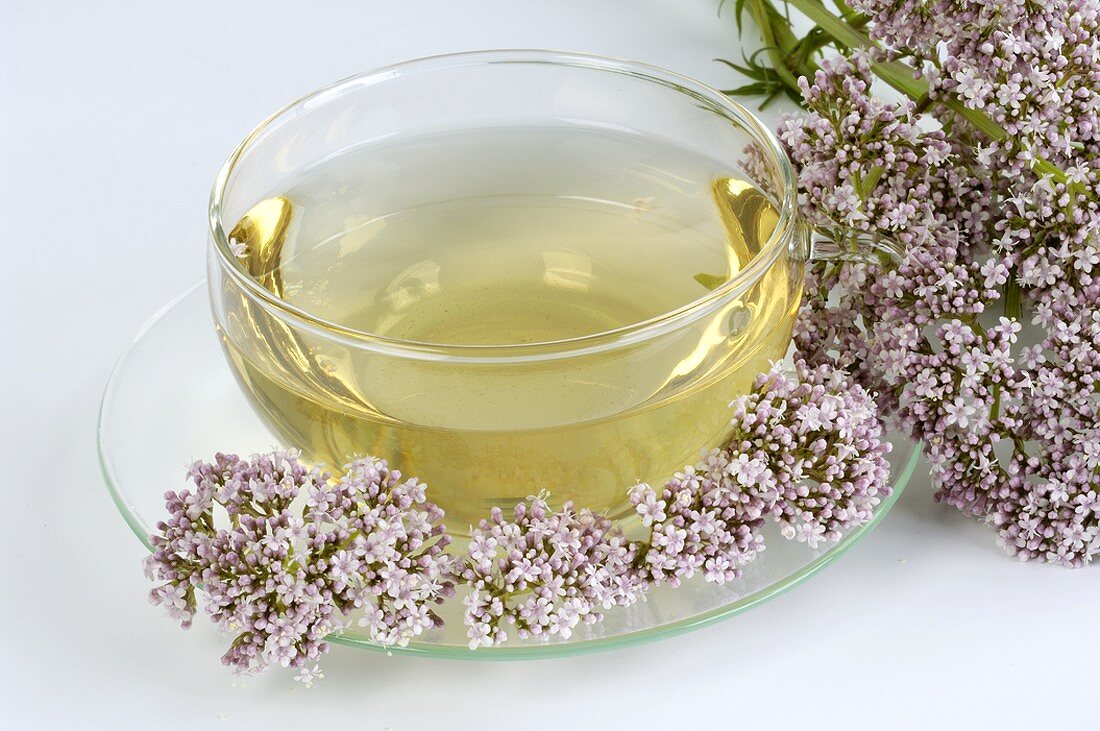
{"x":538,"y":239}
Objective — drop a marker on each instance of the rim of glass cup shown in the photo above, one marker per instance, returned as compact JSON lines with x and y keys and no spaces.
{"x":625,"y":335}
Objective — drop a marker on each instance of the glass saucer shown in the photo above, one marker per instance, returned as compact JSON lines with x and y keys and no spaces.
{"x":172,"y":399}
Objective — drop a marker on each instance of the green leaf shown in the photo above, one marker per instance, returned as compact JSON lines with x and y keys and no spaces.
{"x":754,"y":89}
{"x":758,"y":72}
{"x":710,"y":281}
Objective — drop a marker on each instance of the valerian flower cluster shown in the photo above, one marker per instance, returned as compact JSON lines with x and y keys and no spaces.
{"x":985,"y":340}
{"x":282,"y":555}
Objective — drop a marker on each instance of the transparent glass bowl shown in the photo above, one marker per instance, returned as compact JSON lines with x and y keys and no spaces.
{"x":582,"y":412}
{"x":171,"y":400}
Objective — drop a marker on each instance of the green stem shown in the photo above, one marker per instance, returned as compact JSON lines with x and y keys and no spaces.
{"x":859,"y":20}
{"x":778,"y":39}
{"x":1011,"y":294}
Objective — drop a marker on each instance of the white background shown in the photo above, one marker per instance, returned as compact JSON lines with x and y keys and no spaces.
{"x":113,"y":121}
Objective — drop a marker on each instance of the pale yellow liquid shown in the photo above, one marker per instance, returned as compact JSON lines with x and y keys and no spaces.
{"x":518,"y":236}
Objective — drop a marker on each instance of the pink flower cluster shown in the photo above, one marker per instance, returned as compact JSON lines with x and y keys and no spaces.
{"x":854,"y":144}
{"x":544,"y":572}
{"x":281,"y":573}
{"x":985,"y":341}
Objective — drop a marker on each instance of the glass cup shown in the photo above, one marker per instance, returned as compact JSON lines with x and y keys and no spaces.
{"x":582,"y":418}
